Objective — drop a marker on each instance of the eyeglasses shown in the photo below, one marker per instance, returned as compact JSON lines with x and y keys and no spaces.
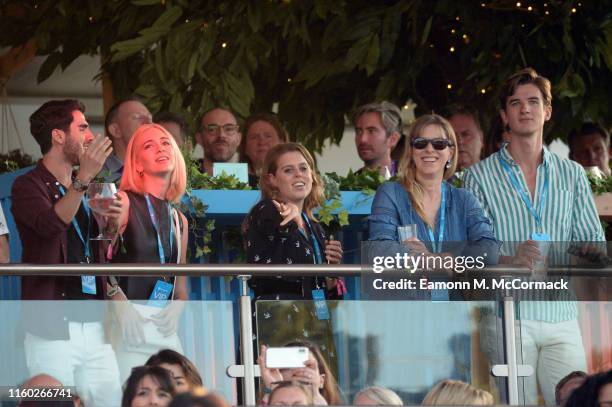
{"x":227,"y":128}
{"x":438,"y":143}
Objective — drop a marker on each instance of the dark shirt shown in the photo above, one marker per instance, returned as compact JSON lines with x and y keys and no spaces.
{"x":269,"y":243}
{"x":139,"y":241}
{"x":45,"y":240}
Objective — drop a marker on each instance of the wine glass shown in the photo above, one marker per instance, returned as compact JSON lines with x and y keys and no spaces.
{"x":100,"y":195}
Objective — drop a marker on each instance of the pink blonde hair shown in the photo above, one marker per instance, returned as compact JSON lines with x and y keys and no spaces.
{"x":132,"y":180}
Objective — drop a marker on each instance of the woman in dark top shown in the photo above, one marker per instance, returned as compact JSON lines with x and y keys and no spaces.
{"x":281,"y":228}
{"x":151,"y":231}
{"x":261,"y":132}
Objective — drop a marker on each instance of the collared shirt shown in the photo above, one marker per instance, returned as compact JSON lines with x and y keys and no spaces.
{"x":112,"y":169}
{"x":44,"y":238}
{"x":569,"y":213}
{"x":465,"y":221}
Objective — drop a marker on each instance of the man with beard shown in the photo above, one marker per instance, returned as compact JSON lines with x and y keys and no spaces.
{"x":378,"y":128}
{"x":219,"y":135}
{"x":470,"y":138}
{"x":65,"y":338}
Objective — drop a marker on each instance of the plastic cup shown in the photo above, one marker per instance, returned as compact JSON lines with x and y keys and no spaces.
{"x":405,"y":232}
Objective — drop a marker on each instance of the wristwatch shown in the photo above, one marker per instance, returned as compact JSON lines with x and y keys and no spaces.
{"x":80,"y":186}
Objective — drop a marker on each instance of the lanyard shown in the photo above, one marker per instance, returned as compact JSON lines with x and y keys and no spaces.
{"x":77,"y":228}
{"x":537,"y":215}
{"x":315,"y":243}
{"x":437,"y":246}
{"x":160,"y":246}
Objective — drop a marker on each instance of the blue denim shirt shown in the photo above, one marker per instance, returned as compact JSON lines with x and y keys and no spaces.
{"x":466,"y":223}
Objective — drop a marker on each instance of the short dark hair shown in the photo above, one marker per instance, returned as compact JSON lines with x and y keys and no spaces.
{"x":172,"y":357}
{"x":575,"y":374}
{"x":456,"y":109}
{"x":54,"y":114}
{"x":169,"y":117}
{"x":586,"y":130}
{"x":524,"y":77}
{"x":111,"y":115}
{"x":159,"y":374}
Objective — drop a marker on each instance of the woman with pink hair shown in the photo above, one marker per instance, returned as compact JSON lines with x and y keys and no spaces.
{"x":151,"y":230}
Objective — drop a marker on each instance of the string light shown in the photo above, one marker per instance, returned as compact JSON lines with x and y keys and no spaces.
{"x":464,"y":36}
{"x":453,"y":31}
{"x":224,"y":45}
{"x":452,"y":49}
{"x":186,"y":20}
{"x":482,"y":5}
{"x":483,"y":91}
{"x":518,"y":4}
{"x":457,"y":18}
{"x":546,"y":12}
{"x":289,"y":80}
{"x":449,"y":86}
{"x":431,"y":45}
{"x":574,"y":10}
{"x":529,"y":8}
{"x":90,"y":19}
{"x":406,"y":107}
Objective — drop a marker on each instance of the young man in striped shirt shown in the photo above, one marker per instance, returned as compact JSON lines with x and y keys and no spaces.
{"x":531,"y":194}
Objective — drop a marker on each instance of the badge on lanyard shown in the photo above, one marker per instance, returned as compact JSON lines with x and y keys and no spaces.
{"x":318,"y":295}
{"x":161,"y":294}
{"x":88,"y":283}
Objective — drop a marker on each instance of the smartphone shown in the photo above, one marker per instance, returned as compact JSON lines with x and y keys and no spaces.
{"x":286,"y":357}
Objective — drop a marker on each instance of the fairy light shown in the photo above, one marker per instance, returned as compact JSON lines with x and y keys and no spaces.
{"x":574,"y":10}
{"x":452,"y":49}
{"x":483,"y":91}
{"x":449,"y":86}
{"x":518,"y":4}
{"x":224,"y":45}
{"x":530,"y":8}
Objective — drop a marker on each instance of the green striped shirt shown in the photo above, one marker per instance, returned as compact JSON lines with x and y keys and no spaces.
{"x":569,"y":213}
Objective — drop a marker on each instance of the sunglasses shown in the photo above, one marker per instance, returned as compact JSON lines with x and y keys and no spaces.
{"x":438,"y":143}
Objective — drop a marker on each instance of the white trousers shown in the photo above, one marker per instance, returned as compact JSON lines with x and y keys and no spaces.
{"x":83,"y":361}
{"x":553,"y":350}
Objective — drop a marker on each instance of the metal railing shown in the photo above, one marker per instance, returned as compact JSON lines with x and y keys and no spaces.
{"x":243,"y":273}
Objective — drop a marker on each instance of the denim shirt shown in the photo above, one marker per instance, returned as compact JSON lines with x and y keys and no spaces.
{"x":466,"y":225}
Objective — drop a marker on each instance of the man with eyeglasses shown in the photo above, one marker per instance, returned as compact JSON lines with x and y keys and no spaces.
{"x":122,"y":120}
{"x":219,"y":136}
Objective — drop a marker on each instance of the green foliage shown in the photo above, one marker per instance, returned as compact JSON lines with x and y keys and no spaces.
{"x":600,"y":185}
{"x":366,"y":181}
{"x":320,"y":59}
{"x":14,"y":160}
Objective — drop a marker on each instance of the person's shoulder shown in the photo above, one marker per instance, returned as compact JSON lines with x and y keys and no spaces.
{"x":483,"y":166}
{"x":389,"y":186}
{"x":264,"y":208}
{"x":565,"y":163}
{"x":460,"y":194}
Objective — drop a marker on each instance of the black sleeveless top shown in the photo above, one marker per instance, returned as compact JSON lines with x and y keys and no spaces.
{"x":139,"y":243}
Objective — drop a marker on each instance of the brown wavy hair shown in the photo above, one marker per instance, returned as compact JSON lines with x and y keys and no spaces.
{"x":314,"y":199}
{"x":407,"y":168}
{"x":269,"y":118}
{"x":330,"y":386}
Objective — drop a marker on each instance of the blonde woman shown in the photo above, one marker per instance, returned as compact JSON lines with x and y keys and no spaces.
{"x":377,"y":396}
{"x":152,"y":231}
{"x":457,"y":393}
{"x":441,"y":212}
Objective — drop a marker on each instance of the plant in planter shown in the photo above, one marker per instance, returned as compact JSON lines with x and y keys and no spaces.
{"x":14,"y":160}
